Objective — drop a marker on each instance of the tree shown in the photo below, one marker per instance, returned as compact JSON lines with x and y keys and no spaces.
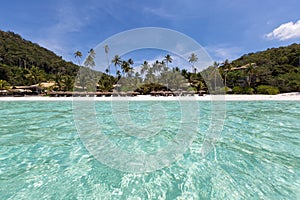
{"x":106,"y":49}
{"x":90,"y":60}
{"x":35,"y":75}
{"x":199,"y":85}
{"x":3,"y":84}
{"x":130,"y":61}
{"x":157,"y":66}
{"x":227,"y":68}
{"x":193,"y":59}
{"x":185,"y":73}
{"x":118,"y":75}
{"x":168,"y":59}
{"x":68,"y":83}
{"x":126,"y":66}
{"x":78,"y":56}
{"x":106,"y":83}
{"x":215,"y":72}
{"x":117,"y":62}
{"x":249,"y":72}
{"x":130,"y":69}
{"x":145,"y":67}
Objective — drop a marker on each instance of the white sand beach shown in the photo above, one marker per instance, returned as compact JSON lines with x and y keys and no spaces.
{"x":279,"y":97}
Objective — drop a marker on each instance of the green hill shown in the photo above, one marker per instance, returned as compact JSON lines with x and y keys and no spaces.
{"x":278,"y":68}
{"x":24,"y":63}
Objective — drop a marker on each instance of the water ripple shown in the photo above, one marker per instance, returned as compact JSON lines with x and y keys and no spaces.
{"x":257,"y":157}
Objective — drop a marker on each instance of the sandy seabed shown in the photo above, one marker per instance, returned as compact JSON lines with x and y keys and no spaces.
{"x":279,"y":97}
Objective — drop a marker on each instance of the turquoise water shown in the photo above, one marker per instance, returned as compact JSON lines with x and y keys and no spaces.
{"x":257,"y":156}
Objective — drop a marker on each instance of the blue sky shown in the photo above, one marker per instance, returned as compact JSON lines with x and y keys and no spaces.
{"x":226,"y":29}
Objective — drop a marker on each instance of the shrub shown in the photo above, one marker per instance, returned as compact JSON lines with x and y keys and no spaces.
{"x":248,"y":90}
{"x":266,"y":89}
{"x":237,"y":89}
{"x":147,"y":88}
{"x":3,"y":84}
{"x":242,"y":90}
{"x":192,"y":89}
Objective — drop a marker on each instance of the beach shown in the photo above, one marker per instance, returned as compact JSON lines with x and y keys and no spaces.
{"x":228,"y":97}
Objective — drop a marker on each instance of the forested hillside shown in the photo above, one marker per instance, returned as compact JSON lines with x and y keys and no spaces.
{"x":24,"y":63}
{"x":275,"y":67}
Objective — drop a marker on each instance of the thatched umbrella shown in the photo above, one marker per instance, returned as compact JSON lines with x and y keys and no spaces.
{"x":115,"y":93}
{"x":192,"y":93}
{"x":107,"y":94}
{"x":176,"y":93}
{"x":129,"y":93}
{"x":122,"y":94}
{"x":201,"y":92}
{"x":135,"y":93}
{"x":98,"y":94}
{"x":153,"y":93}
{"x":169,"y":93}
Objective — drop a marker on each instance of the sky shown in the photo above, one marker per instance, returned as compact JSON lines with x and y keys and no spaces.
{"x":226,"y":29}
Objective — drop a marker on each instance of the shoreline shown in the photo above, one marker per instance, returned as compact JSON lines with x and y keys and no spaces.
{"x":228,"y":97}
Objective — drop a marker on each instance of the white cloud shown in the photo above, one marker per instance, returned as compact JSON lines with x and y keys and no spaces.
{"x":160,"y":12}
{"x":286,"y":31}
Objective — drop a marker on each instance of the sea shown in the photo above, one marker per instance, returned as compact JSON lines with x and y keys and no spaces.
{"x":149,"y":150}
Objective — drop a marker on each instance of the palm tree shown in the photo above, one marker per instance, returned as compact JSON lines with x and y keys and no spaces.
{"x":130,"y":72}
{"x":168,"y":59}
{"x":227,"y":68}
{"x":250,"y":71}
{"x":78,"y":56}
{"x":3,"y":84}
{"x":126,"y":66}
{"x":130,"y":68}
{"x":216,"y":65}
{"x":117,"y":62}
{"x":199,"y":85}
{"x":35,"y":75}
{"x":193,"y":59}
{"x":145,"y":67}
{"x":184,"y":73}
{"x":150,"y":77}
{"x":130,"y":61}
{"x":90,"y":60}
{"x":155,"y":66}
{"x":118,"y":74}
{"x":68,"y":82}
{"x":106,"y":49}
